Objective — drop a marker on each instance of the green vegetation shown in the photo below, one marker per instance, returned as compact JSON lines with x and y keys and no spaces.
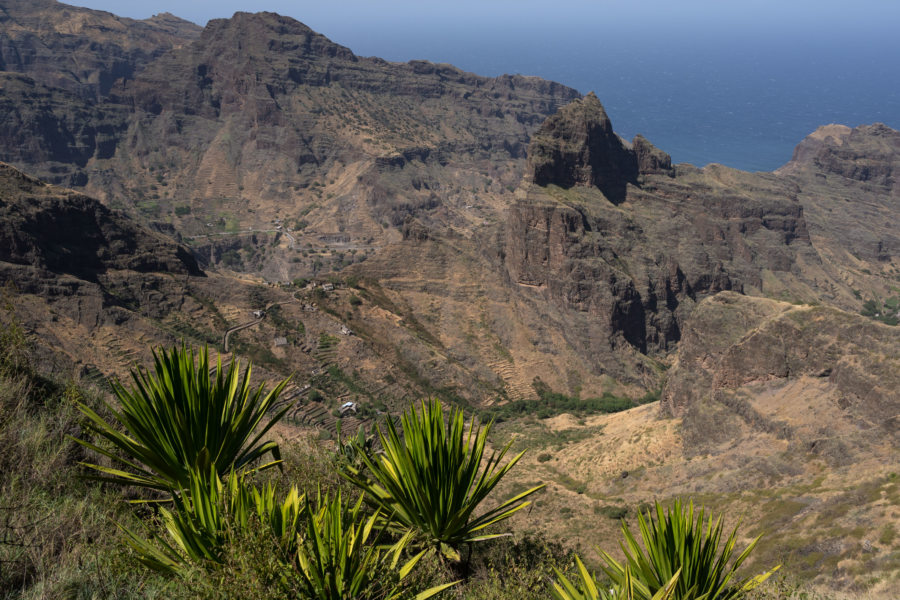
{"x":200,"y":526}
{"x":227,"y":528}
{"x":887,"y":311}
{"x":232,"y":259}
{"x":612,"y":512}
{"x":57,"y":537}
{"x":675,"y":542}
{"x":432,"y":480}
{"x":338,"y":560}
{"x":292,"y":330}
{"x":550,"y":404}
{"x":179,"y":418}
{"x":587,"y":589}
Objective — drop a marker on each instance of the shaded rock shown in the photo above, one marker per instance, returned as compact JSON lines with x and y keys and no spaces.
{"x":64,"y":232}
{"x":577,"y":147}
{"x":650,"y":159}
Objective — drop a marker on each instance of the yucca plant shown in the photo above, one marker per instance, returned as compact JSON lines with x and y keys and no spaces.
{"x":208,"y":513}
{"x":350,"y":451}
{"x":677,"y":540}
{"x":586,"y":588}
{"x":173,"y":415}
{"x":434,"y":478}
{"x":339,"y":559}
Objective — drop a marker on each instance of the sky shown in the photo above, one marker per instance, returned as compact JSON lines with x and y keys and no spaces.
{"x":684,"y":16}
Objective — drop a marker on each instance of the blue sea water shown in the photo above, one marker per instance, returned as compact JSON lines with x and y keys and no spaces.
{"x":742,"y":99}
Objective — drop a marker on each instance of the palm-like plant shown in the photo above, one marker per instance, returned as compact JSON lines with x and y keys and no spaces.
{"x":172,"y":416}
{"x":677,"y":541}
{"x":208,"y":513}
{"x":433,"y":479}
{"x":586,"y":588}
{"x":338,"y":558}
{"x":350,"y":451}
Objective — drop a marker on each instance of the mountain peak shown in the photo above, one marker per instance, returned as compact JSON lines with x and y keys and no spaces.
{"x":267,"y":32}
{"x":578,"y":147}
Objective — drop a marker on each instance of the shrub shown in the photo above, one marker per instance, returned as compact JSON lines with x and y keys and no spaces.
{"x":432,"y":479}
{"x":675,"y":542}
{"x":338,"y":557}
{"x":209,"y":513}
{"x":586,"y":588}
{"x":613,"y":512}
{"x":179,"y":414}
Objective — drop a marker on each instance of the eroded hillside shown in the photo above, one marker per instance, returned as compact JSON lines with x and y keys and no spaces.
{"x":384,"y":231}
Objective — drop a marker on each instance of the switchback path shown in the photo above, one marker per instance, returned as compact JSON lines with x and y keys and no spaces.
{"x":231,"y":330}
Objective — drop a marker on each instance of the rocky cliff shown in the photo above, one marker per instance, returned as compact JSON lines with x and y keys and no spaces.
{"x":847,"y":182}
{"x":577,"y":146}
{"x":638,"y":259}
{"x":80,"y":50}
{"x":63,"y":232}
{"x":732,"y":343}
{"x":407,"y":175}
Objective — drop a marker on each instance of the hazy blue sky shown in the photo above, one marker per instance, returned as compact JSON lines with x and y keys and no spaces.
{"x":874,"y":15}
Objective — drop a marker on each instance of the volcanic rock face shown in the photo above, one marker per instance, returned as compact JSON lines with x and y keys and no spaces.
{"x":637,"y":262}
{"x":258,"y":109}
{"x":733,"y":345}
{"x":577,"y":146}
{"x":869,"y":153}
{"x":848,"y":183}
{"x":54,"y":128}
{"x":80,"y":50}
{"x":259,"y":120}
{"x":63,"y":232}
{"x":650,"y":159}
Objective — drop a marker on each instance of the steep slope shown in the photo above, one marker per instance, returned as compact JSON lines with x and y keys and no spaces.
{"x":577,"y":146}
{"x":91,"y":285}
{"x":48,"y":229}
{"x":782,"y":416}
{"x":97,"y":291}
{"x":263,"y":114}
{"x":624,"y":244}
{"x":277,"y":153}
{"x":80,"y":50}
{"x":849,"y":190}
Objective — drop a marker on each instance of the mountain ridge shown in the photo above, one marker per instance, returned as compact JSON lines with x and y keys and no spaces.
{"x":259,"y":120}
{"x":413,"y":230}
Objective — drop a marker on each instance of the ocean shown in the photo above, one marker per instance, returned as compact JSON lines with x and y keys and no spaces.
{"x":742,"y":100}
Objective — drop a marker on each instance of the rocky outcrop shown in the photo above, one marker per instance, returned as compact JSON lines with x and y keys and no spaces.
{"x":848,"y":186}
{"x":55,"y":129}
{"x":637,"y":262}
{"x":736,"y":351}
{"x":650,"y":159}
{"x":578,"y":147}
{"x":868,"y":153}
{"x":258,"y":107}
{"x":80,"y":50}
{"x":260,"y":120}
{"x":62,"y":232}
